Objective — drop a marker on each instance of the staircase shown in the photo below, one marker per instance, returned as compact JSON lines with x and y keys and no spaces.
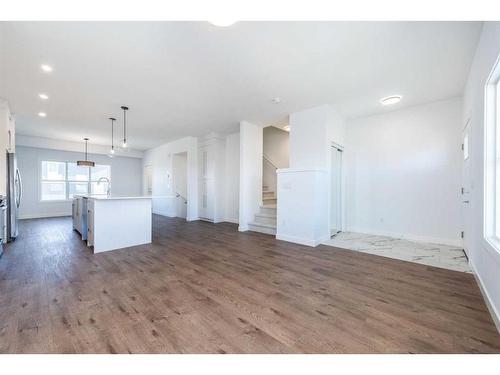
{"x":265,"y":220}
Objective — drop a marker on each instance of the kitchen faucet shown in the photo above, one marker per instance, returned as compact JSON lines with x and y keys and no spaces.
{"x":105,"y":179}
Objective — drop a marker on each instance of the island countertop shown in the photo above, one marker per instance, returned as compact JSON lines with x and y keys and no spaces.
{"x":113,"y":197}
{"x":115,"y":222}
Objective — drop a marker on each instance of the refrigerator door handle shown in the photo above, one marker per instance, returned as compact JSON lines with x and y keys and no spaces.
{"x":19,"y":188}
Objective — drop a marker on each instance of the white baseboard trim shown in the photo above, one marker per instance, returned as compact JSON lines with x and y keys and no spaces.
{"x":410,"y":237}
{"x":495,"y":315}
{"x":243,"y":228}
{"x":193,"y":218}
{"x":231,"y":220}
{"x":163,"y":213}
{"x":301,"y":240}
{"x":43,"y":216}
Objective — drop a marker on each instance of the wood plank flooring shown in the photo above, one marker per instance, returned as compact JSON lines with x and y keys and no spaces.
{"x":205,"y":288}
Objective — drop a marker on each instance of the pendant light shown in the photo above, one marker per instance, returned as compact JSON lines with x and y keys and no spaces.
{"x":112,"y":151}
{"x":85,"y":163}
{"x":125,"y":109}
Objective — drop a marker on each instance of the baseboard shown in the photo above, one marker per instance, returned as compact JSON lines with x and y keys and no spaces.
{"x":410,"y":237}
{"x":300,"y":240}
{"x":495,"y":315}
{"x":43,"y":216}
{"x":163,"y":213}
{"x":192,"y":218}
{"x":243,"y":228}
{"x":231,"y":220}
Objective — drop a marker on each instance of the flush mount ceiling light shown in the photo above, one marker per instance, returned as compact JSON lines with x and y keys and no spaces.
{"x":43,"y":96}
{"x":222,"y":23}
{"x":46,"y":68}
{"x":393,"y":99}
{"x":286,"y":128}
{"x":85,"y":163}
{"x":125,"y":109}
{"x":42,"y":114}
{"x":276,"y":100}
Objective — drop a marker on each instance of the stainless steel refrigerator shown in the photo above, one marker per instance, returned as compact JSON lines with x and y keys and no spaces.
{"x":14,"y":195}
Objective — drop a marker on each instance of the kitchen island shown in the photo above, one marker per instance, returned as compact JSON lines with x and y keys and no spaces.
{"x":109,"y":223}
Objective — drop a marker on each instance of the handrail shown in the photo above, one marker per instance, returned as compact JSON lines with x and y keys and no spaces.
{"x":177,"y":195}
{"x":266,"y":158}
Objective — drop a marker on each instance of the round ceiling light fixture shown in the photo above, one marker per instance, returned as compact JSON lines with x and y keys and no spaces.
{"x":46,"y":68}
{"x":276,"y":100}
{"x":393,"y":99}
{"x":222,"y":22}
{"x":42,"y":114}
{"x":43,"y":96}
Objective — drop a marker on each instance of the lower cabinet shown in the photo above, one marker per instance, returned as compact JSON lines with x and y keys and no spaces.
{"x":90,"y":222}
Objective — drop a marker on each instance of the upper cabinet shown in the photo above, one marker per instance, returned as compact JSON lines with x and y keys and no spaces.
{"x":11,"y":134}
{"x":7,"y":128}
{"x":7,"y":142}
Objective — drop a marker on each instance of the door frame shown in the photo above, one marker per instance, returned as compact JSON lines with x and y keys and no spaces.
{"x":465,"y":191}
{"x":340,"y":149}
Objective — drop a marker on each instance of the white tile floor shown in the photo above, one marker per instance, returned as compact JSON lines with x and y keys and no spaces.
{"x":443,"y":256}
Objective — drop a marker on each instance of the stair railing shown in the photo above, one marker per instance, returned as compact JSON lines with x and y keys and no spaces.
{"x":177,"y":195}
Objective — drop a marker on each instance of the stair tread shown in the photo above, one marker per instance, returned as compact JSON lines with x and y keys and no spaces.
{"x":256,"y":224}
{"x":263,"y":214}
{"x":268,"y":206}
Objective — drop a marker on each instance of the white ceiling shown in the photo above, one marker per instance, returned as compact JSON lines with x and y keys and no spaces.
{"x":191,"y":78}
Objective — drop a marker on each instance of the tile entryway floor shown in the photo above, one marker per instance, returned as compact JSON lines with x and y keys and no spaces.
{"x":443,"y":256}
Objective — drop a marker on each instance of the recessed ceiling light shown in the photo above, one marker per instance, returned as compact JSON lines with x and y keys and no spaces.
{"x":43,"y":96}
{"x":286,"y":128}
{"x":393,"y":99}
{"x":46,"y":68}
{"x":222,"y":23}
{"x":276,"y":100}
{"x":42,"y":114}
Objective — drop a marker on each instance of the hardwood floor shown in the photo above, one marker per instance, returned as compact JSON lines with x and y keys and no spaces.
{"x":205,"y":288}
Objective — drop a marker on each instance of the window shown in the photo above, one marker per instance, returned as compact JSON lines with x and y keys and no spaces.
{"x":63,"y":180}
{"x":492,"y":158}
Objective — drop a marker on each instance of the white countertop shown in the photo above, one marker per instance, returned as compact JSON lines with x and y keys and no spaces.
{"x":113,"y":197}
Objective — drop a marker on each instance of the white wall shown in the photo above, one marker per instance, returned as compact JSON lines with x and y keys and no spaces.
{"x":403,"y":173}
{"x":311,"y":134}
{"x":276,"y":146}
{"x":250,"y":172}
{"x":232,"y":178}
{"x":276,"y":154}
{"x":126,"y":178}
{"x":306,"y":184}
{"x":484,"y":259}
{"x":161,"y":160}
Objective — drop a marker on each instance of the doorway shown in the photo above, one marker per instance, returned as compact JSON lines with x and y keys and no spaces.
{"x":179,"y":177}
{"x":466,"y":187}
{"x":336,"y":190}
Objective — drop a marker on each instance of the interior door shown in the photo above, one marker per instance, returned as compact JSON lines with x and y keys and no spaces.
{"x":336,"y":191}
{"x":466,"y":187}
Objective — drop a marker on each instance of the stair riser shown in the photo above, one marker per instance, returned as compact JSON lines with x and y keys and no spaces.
{"x":269,"y":200}
{"x":265,"y":220}
{"x":268,"y":211}
{"x":253,"y":228}
{"x":268,"y":194}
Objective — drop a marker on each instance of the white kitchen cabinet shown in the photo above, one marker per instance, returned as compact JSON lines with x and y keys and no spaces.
{"x":90,"y":222}
{"x":79,"y":214}
{"x":7,"y":142}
